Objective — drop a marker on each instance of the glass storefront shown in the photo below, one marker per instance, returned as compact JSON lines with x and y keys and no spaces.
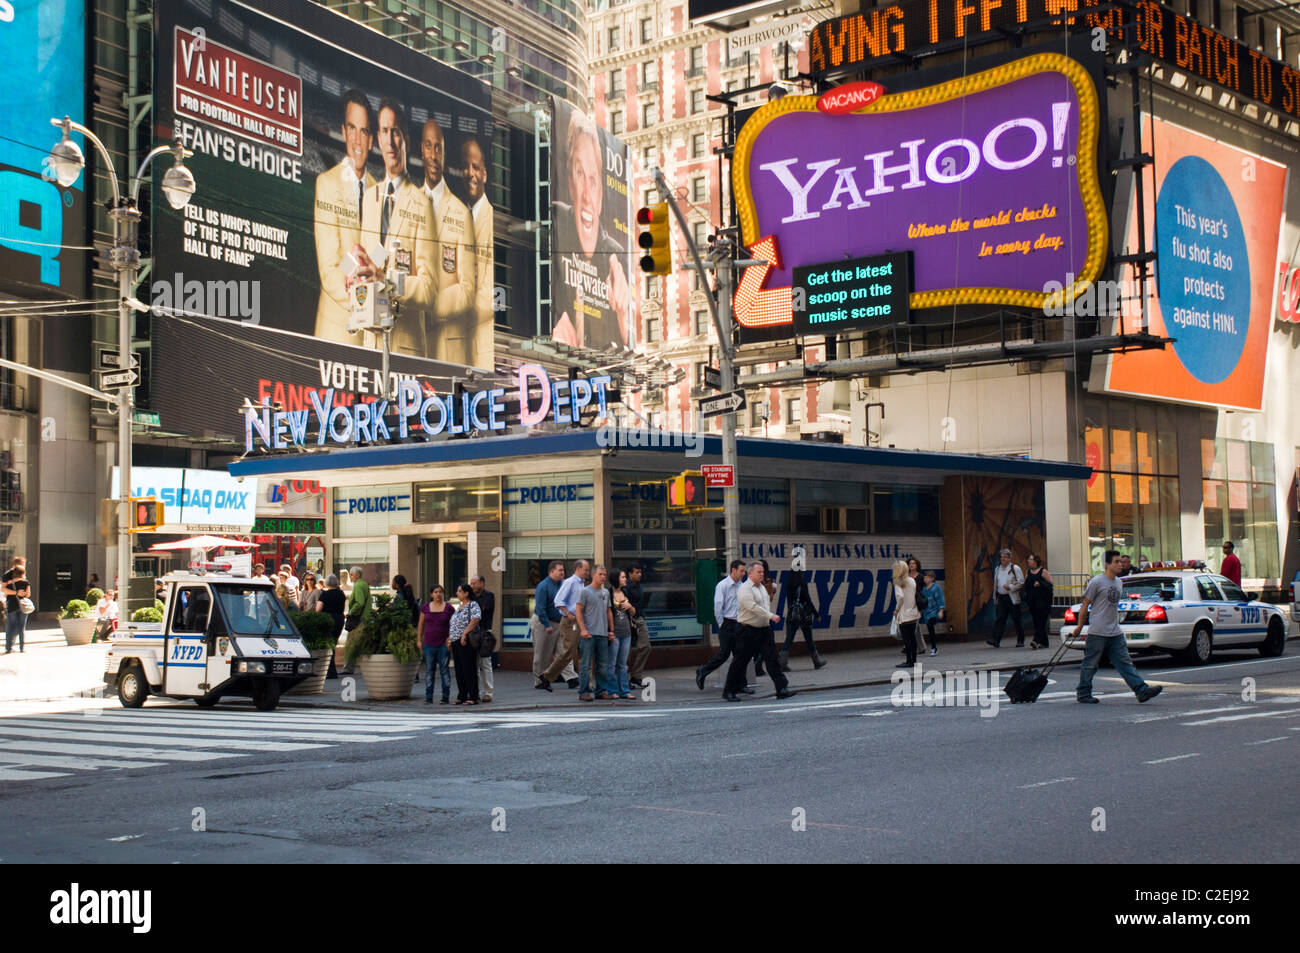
{"x":1133,"y":497}
{"x":454,"y":501}
{"x":646,"y":533}
{"x":363,"y":517}
{"x":1239,"y":484}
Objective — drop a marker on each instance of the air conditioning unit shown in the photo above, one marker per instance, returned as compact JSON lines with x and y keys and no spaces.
{"x":844,"y":519}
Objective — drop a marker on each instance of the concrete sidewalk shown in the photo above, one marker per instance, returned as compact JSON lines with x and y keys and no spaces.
{"x":515,"y":691}
{"x":50,"y":669}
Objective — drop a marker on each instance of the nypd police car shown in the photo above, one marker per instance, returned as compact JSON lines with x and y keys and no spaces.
{"x":1188,"y":614}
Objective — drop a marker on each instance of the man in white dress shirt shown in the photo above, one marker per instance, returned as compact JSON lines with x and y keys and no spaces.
{"x":484,"y":281}
{"x":339,"y":192}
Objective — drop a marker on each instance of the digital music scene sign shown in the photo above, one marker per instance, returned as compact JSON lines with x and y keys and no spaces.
{"x":852,"y":295}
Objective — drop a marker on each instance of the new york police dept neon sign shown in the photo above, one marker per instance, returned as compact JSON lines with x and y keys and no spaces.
{"x":430,"y":414}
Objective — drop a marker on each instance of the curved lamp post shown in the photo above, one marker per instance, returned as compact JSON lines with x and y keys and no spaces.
{"x":66,"y":163}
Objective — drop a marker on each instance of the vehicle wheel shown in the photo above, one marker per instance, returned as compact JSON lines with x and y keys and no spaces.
{"x":132,"y":689}
{"x":1275,"y":644}
{"x":266,"y":695}
{"x":207,"y":701}
{"x":1198,"y":651}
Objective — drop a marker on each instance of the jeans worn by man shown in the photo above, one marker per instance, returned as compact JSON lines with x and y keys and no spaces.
{"x":15,"y":630}
{"x":1114,"y":648}
{"x":437,"y":655}
{"x":1099,"y":610}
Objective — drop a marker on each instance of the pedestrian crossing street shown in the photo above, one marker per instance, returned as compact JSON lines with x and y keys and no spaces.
{"x":49,"y":741}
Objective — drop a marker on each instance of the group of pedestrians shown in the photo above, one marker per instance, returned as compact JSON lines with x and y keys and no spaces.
{"x":1013,"y":587}
{"x":456,"y":635}
{"x":596,"y":619}
{"x":742,"y":607}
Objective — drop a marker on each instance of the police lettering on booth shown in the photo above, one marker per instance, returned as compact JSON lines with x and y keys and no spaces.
{"x":391,"y":503}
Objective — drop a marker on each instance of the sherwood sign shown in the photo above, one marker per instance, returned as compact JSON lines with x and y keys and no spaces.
{"x":850,"y":42}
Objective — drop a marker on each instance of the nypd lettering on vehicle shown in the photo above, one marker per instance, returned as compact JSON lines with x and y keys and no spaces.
{"x":262,"y":648}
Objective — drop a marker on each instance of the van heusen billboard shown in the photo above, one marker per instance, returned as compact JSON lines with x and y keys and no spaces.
{"x":989,"y":180}
{"x":1214,"y":219}
{"x":319,"y":146}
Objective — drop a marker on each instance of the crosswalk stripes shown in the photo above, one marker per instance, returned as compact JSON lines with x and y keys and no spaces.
{"x":39,"y":744}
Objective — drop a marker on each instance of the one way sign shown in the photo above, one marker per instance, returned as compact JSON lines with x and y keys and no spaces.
{"x":722,"y":404}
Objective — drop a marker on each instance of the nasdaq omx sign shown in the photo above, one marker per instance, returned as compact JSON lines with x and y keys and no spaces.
{"x":989,"y":180}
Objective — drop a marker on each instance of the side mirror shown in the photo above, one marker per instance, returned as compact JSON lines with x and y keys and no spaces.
{"x":1252,"y":596}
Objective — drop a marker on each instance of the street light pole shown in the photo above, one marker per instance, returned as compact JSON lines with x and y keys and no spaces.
{"x":66,"y":161}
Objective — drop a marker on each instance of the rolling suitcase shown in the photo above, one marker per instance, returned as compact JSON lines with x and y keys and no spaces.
{"x":1026,"y":684}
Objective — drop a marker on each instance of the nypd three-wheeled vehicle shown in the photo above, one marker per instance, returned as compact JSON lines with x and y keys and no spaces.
{"x":220,"y":636}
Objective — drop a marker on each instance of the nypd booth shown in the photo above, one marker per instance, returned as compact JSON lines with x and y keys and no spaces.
{"x":503,"y":504}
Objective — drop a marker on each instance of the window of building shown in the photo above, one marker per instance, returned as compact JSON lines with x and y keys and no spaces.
{"x":811,"y":495}
{"x":793,"y":411}
{"x":648,"y":157}
{"x":757,"y":413}
{"x":614,"y":45}
{"x":652,"y":330}
{"x":701,"y":322}
{"x":649,"y":75}
{"x":697,"y":100}
{"x":450,"y":501}
{"x":695,"y":65}
{"x":649,"y":196}
{"x":905,"y":509}
{"x":1133,"y":497}
{"x":647,"y":114}
{"x":647,"y":29}
{"x":697,"y":145}
{"x":699,"y":192}
{"x":700,"y":232}
{"x":1240,"y":504}
{"x":616,"y":121}
{"x":615,"y":83}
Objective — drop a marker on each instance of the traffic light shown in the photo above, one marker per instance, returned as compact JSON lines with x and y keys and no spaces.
{"x":146,"y":514}
{"x":653,"y":238}
{"x":687,"y":491}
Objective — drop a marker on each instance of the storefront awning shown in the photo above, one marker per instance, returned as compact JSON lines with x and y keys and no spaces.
{"x":397,"y":463}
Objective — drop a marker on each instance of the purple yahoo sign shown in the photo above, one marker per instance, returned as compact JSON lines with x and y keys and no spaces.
{"x":990,"y":181}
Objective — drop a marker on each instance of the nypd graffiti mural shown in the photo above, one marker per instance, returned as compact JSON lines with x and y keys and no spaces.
{"x":849,"y":577}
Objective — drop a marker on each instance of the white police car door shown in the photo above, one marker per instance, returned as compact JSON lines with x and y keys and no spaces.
{"x":186,"y":656}
{"x":1248,"y":621}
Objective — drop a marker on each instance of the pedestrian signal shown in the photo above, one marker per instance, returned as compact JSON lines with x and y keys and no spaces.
{"x":146,"y":514}
{"x":653,"y":239}
{"x":687,"y":491}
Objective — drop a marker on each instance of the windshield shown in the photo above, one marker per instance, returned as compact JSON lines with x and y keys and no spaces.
{"x":253,"y":610}
{"x":1152,"y":587}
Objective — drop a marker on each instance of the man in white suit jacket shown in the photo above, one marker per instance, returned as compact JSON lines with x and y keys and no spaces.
{"x":339,"y":192}
{"x":481,"y":213}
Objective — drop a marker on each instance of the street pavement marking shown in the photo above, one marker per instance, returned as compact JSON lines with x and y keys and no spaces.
{"x":462,"y":731}
{"x":746,"y":754}
{"x":1270,"y":740}
{"x":153,"y":754}
{"x":1043,"y":784}
{"x":201,"y":729}
{"x":78,"y":764}
{"x":521,"y":724}
{"x":1262,"y":714}
{"x":1177,"y":757}
{"x":122,"y":738}
{"x":17,"y":774}
{"x":1141,"y":719}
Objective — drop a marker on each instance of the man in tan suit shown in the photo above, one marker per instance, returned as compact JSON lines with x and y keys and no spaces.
{"x":480,"y":211}
{"x":339,"y":193}
{"x":449,"y":326}
{"x":396,"y":209}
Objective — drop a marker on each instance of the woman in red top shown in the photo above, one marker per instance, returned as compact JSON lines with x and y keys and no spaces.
{"x":435,"y":625}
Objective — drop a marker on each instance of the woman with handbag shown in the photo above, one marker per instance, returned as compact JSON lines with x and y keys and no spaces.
{"x":18,"y":605}
{"x":800,"y":613}
{"x":308,"y":593}
{"x":905,"y":612}
{"x":464,"y":645}
{"x":622,"y":608}
{"x":1038,"y":592}
{"x":914,"y":573}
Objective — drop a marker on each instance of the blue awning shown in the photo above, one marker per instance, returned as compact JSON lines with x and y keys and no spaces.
{"x":377,"y":459}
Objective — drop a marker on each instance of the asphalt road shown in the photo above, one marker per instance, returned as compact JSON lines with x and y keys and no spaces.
{"x":1197,"y":775}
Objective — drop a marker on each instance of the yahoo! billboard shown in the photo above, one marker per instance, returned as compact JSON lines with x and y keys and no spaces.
{"x":989,"y":180}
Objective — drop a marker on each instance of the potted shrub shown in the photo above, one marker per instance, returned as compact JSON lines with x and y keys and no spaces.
{"x":317,"y":631}
{"x":148,"y":614}
{"x":77,"y":623}
{"x":387,"y":650}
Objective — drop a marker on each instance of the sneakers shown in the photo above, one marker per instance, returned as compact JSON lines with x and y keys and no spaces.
{"x":1089,"y":700}
{"x":1150,"y":692}
{"x":934,"y":652}
{"x":587,"y":697}
{"x":573,"y":683}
